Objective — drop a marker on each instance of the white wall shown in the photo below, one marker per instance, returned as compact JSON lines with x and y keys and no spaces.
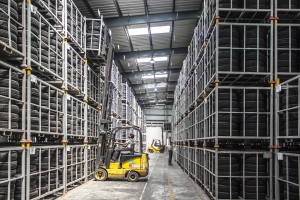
{"x":154,"y":133}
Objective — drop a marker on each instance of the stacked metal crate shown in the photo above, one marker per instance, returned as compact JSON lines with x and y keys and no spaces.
{"x":286,"y":70}
{"x":52,"y":99}
{"x":126,"y":101}
{"x":223,"y":114}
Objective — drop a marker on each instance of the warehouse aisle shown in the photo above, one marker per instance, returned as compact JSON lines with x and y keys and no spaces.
{"x":164,"y":183}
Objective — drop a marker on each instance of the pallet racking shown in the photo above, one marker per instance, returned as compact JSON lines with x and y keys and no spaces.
{"x":223,"y":110}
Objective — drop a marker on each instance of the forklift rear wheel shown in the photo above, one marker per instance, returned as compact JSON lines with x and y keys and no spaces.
{"x":150,"y":151}
{"x":133,"y":176}
{"x":100,"y":175}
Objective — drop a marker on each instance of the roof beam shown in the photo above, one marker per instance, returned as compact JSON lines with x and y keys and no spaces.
{"x":143,"y":19}
{"x":150,"y":85}
{"x":157,"y":93}
{"x":148,"y":53}
{"x":149,"y":72}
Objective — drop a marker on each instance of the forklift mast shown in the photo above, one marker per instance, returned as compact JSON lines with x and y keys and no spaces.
{"x":106,"y":109}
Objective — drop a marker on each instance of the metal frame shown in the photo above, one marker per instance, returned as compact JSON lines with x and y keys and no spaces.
{"x":198,"y":108}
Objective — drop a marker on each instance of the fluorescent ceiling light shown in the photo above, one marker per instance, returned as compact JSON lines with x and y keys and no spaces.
{"x":156,"y":76}
{"x":156,"y":59}
{"x":161,"y":85}
{"x":144,"y":31}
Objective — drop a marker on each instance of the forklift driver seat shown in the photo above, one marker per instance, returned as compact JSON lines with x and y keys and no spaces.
{"x":129,"y":152}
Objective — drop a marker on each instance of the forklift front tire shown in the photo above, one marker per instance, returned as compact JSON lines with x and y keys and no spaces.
{"x":133,"y":176}
{"x":100,"y":174}
{"x":150,"y":151}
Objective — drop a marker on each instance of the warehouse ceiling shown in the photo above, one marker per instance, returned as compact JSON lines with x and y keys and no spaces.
{"x":147,"y":30}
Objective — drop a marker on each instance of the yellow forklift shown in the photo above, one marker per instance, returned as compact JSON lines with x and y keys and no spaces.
{"x":130,"y":165}
{"x":156,"y":146}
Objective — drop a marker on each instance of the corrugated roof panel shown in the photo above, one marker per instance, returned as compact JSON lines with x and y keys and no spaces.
{"x":171,"y":88}
{"x":161,"y":79}
{"x":135,"y":80}
{"x":170,"y":95}
{"x":159,"y":6}
{"x":140,"y":91}
{"x":119,"y":38}
{"x":186,"y":5}
{"x":140,"y":42}
{"x":148,"y":80}
{"x":132,"y":7}
{"x":161,"y":67}
{"x":173,"y":76}
{"x":177,"y":60}
{"x":128,"y":65}
{"x":106,"y":7}
{"x":161,"y":40}
{"x":161,"y":64}
{"x":183,"y":31}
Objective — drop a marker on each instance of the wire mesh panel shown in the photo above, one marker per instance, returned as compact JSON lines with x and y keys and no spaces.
{"x":75,"y":70}
{"x":10,"y":23}
{"x":75,"y":24}
{"x":51,"y":10}
{"x":239,"y":112}
{"x":75,"y":122}
{"x":91,"y":160}
{"x":97,"y":36}
{"x":12,"y":102}
{"x":12,"y":173}
{"x":46,"y":108}
{"x":235,"y":175}
{"x":288,"y":175}
{"x":94,"y":88}
{"x":93,"y":123}
{"x":75,"y":164}
{"x":126,"y":97}
{"x":46,"y":171}
{"x":46,"y":47}
{"x":287,"y":110}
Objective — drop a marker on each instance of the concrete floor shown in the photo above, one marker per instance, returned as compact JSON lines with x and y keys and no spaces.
{"x":164,"y":182}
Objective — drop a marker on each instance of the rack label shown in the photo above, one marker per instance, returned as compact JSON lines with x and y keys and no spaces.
{"x":278,"y":88}
{"x":68,"y":148}
{"x":33,"y":78}
{"x":32,"y":151}
{"x":280,"y":156}
{"x":33,"y":9}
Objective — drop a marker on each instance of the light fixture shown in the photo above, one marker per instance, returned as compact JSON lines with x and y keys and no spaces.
{"x":159,"y":85}
{"x":144,"y":31}
{"x":156,"y":59}
{"x":156,"y":76}
{"x":152,"y":61}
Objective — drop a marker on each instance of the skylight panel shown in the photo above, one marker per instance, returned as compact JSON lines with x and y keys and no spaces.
{"x":144,"y":31}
